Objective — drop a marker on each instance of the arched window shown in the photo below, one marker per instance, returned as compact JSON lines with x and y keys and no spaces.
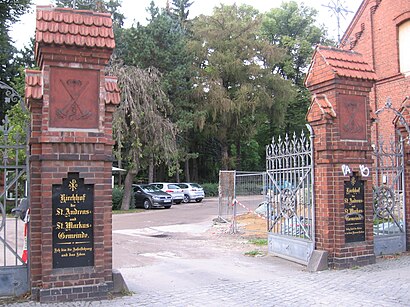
{"x":404,"y":47}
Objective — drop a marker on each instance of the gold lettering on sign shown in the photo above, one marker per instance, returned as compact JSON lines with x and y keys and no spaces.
{"x":75,"y":198}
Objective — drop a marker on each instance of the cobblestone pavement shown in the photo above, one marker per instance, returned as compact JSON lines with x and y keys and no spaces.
{"x":211,"y":269}
{"x":386,"y":283}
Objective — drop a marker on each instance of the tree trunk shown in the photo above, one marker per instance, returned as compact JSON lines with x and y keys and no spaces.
{"x":225,"y":157}
{"x":151,"y":170}
{"x":238,"y":155}
{"x":177,"y":178}
{"x":187,"y":175}
{"x":195,"y":170}
{"x":126,"y":199}
{"x":119,"y":174}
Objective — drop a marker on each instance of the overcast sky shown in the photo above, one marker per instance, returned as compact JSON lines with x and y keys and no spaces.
{"x":134,"y":10}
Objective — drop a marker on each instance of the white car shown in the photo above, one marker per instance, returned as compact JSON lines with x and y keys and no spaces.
{"x":192,"y":192}
{"x":171,"y":188}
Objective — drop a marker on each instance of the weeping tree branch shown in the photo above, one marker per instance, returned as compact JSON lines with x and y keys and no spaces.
{"x":141,"y":126}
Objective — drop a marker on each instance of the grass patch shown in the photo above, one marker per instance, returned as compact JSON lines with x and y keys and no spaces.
{"x":254,"y":253}
{"x":259,"y":242}
{"x":127,"y":211}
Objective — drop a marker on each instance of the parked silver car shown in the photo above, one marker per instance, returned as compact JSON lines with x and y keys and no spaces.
{"x":171,"y":188}
{"x":192,"y":192}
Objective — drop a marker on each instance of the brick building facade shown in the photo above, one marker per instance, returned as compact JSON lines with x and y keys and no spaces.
{"x":380,"y":31}
{"x":352,"y":86}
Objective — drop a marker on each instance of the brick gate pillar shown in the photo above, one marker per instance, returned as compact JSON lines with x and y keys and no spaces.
{"x":340,"y":116}
{"x":71,"y":103}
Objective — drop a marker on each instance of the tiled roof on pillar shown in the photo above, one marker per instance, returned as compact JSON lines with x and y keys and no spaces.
{"x":34,"y":89}
{"x":341,"y":63}
{"x":112,"y":90}
{"x":63,"y":26}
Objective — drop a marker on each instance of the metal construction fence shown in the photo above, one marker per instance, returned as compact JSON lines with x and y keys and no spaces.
{"x":239,"y":192}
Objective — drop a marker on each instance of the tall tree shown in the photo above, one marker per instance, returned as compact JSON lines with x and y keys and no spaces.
{"x":162,"y":44}
{"x":180,"y":10}
{"x":234,"y":82}
{"x":10,"y":12}
{"x":292,"y":27}
{"x":141,"y":126}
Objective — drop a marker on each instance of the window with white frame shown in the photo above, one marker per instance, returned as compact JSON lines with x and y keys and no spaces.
{"x":404,"y":47}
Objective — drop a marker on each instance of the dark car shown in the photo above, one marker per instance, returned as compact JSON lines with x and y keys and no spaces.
{"x":149,"y":196}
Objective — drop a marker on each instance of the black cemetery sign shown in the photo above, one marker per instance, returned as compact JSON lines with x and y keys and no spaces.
{"x":73,"y":235}
{"x":354,"y":210}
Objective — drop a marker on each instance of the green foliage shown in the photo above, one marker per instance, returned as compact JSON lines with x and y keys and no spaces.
{"x":119,"y":211}
{"x":235,"y":83}
{"x":254,"y":253}
{"x":117,"y":194}
{"x":16,"y":127}
{"x":210,"y":189}
{"x":162,"y":44}
{"x":180,"y":10}
{"x":259,"y":242}
{"x":292,"y":28}
{"x":10,"y":12}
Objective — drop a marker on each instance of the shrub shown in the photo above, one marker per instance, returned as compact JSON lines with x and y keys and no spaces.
{"x":211,"y":189}
{"x":117,"y":193}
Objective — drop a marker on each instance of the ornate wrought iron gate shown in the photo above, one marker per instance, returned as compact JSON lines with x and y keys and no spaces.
{"x":290,"y":196}
{"x":388,"y":193}
{"x":389,"y":198}
{"x":13,"y":197}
